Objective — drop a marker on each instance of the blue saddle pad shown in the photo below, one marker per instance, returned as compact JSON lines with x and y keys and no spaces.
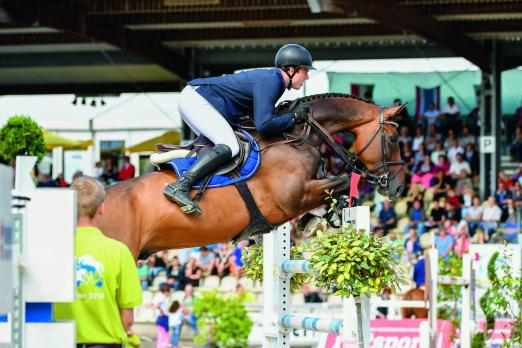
{"x":181,"y":165}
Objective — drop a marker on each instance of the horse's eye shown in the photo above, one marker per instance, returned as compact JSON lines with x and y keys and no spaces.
{"x":394,"y":139}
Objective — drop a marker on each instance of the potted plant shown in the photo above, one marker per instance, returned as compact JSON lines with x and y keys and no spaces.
{"x":21,"y":135}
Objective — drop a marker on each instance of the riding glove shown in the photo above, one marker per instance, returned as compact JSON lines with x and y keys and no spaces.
{"x":300,"y":113}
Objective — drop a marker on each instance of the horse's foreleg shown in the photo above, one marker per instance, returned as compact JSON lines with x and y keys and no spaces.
{"x":317,"y":189}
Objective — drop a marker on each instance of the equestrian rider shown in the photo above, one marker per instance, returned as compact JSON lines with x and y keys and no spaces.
{"x":210,"y":105}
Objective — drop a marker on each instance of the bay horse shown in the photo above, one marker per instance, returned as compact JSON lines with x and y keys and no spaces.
{"x":415,"y":294}
{"x":285,"y":185}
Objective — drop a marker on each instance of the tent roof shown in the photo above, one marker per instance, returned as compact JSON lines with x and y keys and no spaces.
{"x":171,"y":137}
{"x":53,"y":140}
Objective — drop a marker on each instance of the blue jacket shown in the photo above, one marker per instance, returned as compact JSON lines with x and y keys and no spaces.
{"x":252,"y":92}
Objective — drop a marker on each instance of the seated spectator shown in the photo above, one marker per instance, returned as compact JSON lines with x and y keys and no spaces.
{"x":420,"y":153}
{"x":237,"y":264}
{"x":454,"y":199}
{"x":467,"y":196}
{"x":511,"y":228}
{"x":404,"y":137}
{"x":443,"y":164}
{"x":98,"y":170}
{"x":437,"y":215}
{"x":408,"y":157}
{"x":432,"y":138}
{"x":503,"y":198}
{"x":382,"y":312}
{"x":480,"y":237}
{"x":60,"y":181}
{"x":462,"y":241}
{"x":205,"y":261}
{"x":454,"y":150}
{"x":415,"y":192}
{"x":458,"y":166}
{"x":438,"y":151}
{"x":396,"y":241}
{"x":175,"y":274}
{"x":491,"y":217}
{"x":419,"y":272}
{"x":474,"y":215}
{"x":417,"y":214}
{"x":431,"y":116}
{"x":387,"y":217}
{"x":472,"y":157}
{"x":193,"y":273}
{"x":412,"y":244}
{"x":506,"y":180}
{"x":155,"y":264}
{"x":450,"y":138}
{"x":127,"y":171}
{"x":44,"y":180}
{"x":441,"y":185}
{"x":517,"y":177}
{"x":311,"y":293}
{"x":453,"y":212}
{"x":424,"y":172}
{"x":444,"y":243}
{"x":110,"y":173}
{"x":451,"y":115}
{"x":462,"y":182}
{"x":223,"y":260}
{"x":466,"y":137}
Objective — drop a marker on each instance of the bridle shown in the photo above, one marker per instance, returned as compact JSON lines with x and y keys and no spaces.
{"x":371,"y":176}
{"x":352,"y":161}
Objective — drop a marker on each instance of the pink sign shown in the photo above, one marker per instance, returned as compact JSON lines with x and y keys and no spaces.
{"x":404,"y":333}
{"x":501,"y":332}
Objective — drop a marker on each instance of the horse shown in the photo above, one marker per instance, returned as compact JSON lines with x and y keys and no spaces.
{"x":285,"y":186}
{"x":415,"y":294}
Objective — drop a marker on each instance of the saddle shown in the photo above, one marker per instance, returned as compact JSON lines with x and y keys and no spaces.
{"x":167,"y":153}
{"x":198,"y":147}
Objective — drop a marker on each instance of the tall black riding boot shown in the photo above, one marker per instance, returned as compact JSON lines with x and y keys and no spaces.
{"x":179,"y":191}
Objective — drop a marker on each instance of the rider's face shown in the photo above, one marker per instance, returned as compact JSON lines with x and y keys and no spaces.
{"x":300,"y":78}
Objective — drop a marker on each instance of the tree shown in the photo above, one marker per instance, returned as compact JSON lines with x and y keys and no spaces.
{"x":21,"y":136}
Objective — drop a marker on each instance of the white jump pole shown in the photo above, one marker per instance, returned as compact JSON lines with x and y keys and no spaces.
{"x":277,"y":269}
{"x":433,"y":279}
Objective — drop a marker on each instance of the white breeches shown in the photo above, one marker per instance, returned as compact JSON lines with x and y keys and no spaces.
{"x":204,"y":119}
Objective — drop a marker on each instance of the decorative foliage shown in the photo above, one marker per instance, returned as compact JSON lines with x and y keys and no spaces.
{"x":502,"y":300}
{"x":346,"y":262}
{"x":252,"y":259}
{"x":21,"y":136}
{"x":222,"y":321}
{"x":353,"y":263}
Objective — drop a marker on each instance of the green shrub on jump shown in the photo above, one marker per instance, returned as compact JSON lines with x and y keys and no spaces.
{"x":21,"y":135}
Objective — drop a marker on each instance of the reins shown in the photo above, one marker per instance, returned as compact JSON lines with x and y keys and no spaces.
{"x":351,"y":160}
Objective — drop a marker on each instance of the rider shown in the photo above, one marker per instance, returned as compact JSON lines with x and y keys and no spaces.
{"x":209,"y":105}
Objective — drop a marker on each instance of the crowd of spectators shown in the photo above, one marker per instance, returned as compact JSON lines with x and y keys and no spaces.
{"x":440,"y":150}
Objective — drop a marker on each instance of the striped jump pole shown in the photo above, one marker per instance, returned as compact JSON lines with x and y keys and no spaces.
{"x":277,"y":269}
{"x":433,"y":279}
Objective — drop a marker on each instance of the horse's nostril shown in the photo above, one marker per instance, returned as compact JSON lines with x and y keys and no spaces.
{"x":399,"y":190}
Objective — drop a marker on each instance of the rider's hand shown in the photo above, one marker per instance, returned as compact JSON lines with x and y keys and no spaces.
{"x":300,"y":113}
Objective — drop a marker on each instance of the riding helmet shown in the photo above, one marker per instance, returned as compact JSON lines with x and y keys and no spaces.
{"x":293,"y":55}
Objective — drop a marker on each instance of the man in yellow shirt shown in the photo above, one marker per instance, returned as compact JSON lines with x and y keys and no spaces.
{"x":107,"y":283}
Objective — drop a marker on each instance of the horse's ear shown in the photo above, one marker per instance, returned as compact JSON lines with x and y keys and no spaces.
{"x":395,"y":110}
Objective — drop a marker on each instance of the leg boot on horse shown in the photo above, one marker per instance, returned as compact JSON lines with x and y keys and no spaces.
{"x":179,"y":191}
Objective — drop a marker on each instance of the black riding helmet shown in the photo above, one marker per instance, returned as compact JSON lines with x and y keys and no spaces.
{"x":293,"y":55}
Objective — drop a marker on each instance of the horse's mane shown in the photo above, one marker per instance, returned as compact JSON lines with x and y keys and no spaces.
{"x":291,"y":104}
{"x":331,"y":95}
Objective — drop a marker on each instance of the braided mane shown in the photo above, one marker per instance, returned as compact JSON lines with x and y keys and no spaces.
{"x":331,"y":95}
